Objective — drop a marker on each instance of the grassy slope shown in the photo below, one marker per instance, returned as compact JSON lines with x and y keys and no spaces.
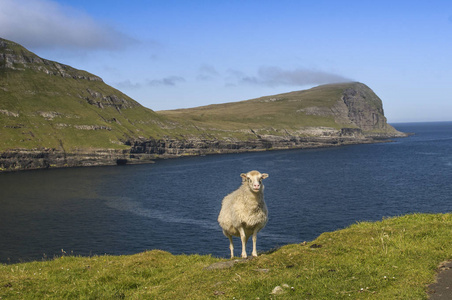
{"x":32,"y":95}
{"x":44,"y":104}
{"x":392,"y":259}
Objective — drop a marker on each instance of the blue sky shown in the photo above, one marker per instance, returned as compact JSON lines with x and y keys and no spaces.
{"x":175,"y":54}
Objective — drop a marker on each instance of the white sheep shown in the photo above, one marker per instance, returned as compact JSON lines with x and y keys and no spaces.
{"x":244,"y":212}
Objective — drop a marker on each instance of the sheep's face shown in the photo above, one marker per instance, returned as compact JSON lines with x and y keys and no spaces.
{"x":254,"y":180}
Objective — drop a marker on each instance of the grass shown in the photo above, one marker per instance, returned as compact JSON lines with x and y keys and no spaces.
{"x":395,"y":258}
{"x":49,"y":110}
{"x":277,"y":112}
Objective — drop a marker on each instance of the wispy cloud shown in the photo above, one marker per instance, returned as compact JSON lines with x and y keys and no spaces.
{"x":47,"y":24}
{"x":207,"y":72}
{"x":276,"y":76}
{"x":166,"y":81}
{"x":128,"y":85}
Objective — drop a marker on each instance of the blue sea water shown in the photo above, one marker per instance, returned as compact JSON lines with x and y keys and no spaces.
{"x":173,"y":204}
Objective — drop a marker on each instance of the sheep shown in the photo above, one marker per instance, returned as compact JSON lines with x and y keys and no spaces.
{"x":244,"y":212}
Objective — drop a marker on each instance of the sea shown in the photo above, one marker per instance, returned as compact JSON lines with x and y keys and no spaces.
{"x":173,"y":204}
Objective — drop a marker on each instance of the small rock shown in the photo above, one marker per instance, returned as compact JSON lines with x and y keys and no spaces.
{"x":227,"y":264}
{"x":221,"y":265}
{"x":262,"y":270}
{"x":277,"y":290}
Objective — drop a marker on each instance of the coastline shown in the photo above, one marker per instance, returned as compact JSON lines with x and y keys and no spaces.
{"x":146,"y":152}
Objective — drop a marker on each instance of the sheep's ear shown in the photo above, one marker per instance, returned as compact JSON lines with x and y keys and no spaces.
{"x":243,"y":175}
{"x":265,"y":175}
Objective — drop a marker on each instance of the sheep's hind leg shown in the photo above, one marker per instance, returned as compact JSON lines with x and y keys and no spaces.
{"x":244,"y":239}
{"x":231,"y":245}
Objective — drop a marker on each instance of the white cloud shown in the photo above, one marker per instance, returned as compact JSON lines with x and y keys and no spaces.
{"x":127,"y":84}
{"x":47,"y":24}
{"x":168,"y":81}
{"x":276,"y":76}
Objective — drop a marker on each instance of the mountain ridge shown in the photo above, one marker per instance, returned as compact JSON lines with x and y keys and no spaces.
{"x":53,"y":115}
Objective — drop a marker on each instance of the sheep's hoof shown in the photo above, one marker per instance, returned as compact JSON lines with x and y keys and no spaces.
{"x":244,"y":255}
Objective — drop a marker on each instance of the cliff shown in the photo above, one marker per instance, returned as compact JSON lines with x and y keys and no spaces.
{"x":53,"y":115}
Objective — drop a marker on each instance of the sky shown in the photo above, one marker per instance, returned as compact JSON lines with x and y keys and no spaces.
{"x":170,"y":54}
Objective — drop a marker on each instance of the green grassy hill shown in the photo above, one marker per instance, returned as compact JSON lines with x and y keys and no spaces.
{"x":277,"y":111}
{"x":333,"y":106}
{"x":44,"y":104}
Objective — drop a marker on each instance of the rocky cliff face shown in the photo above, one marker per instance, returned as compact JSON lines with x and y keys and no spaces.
{"x":195,"y":146}
{"x":25,"y":159}
{"x":170,"y":147}
{"x":367,"y":115}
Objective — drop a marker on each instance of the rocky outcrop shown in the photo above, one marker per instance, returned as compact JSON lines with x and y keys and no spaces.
{"x":102,"y":101}
{"x":364,"y":108}
{"x":25,"y":159}
{"x":13,"y":56}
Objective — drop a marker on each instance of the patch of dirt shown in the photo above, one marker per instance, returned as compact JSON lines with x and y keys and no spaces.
{"x":442,"y":288}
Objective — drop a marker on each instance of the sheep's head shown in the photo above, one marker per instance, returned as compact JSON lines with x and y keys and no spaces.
{"x":254,"y":180}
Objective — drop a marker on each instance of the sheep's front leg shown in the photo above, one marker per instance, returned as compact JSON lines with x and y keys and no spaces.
{"x":244,"y":239}
{"x":254,"y":243}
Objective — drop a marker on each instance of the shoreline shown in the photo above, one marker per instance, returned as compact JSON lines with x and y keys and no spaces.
{"x":149,"y":152}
